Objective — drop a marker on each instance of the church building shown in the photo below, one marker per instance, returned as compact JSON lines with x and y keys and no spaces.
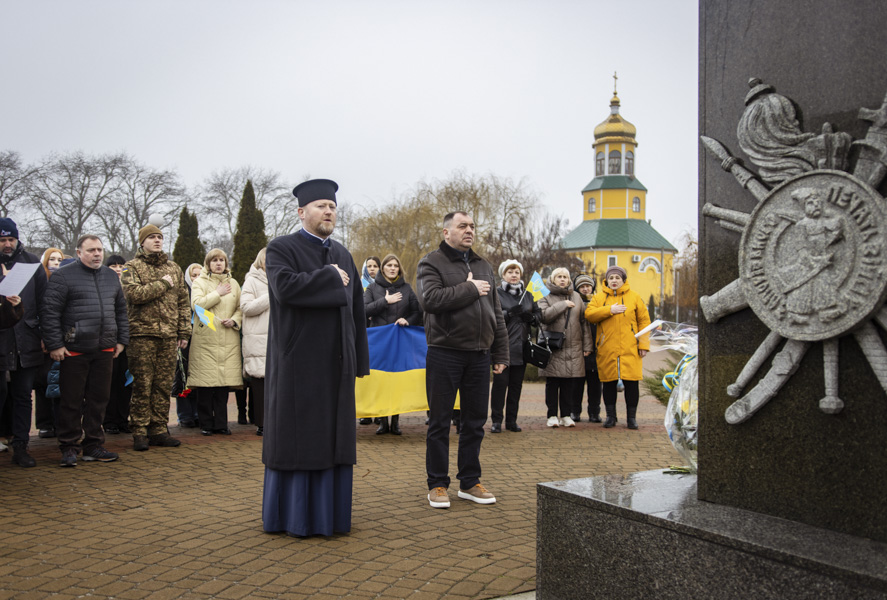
{"x":615,"y":230}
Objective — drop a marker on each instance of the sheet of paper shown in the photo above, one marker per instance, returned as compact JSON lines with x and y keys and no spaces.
{"x":17,"y":278}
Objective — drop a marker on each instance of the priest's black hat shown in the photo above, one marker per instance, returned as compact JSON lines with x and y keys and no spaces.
{"x":315,"y":189}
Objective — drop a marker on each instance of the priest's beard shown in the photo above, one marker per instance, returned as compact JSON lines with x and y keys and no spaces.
{"x":325,"y":228}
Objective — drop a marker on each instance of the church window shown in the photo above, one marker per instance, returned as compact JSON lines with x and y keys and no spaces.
{"x":592,"y":205}
{"x":629,"y":163}
{"x":611,"y":261}
{"x":636,"y":204}
{"x":599,"y":164}
{"x":650,"y":263}
{"x":615,"y":162}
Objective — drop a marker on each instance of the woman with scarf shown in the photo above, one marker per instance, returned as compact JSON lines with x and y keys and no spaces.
{"x":186,"y":398}
{"x":520,"y":313}
{"x":215,"y":363}
{"x":368,"y":275}
{"x":562,"y":316}
{"x":391,"y":300}
{"x":619,"y":313}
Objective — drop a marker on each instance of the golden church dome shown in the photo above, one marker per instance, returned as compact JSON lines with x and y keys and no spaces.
{"x":615,"y":128}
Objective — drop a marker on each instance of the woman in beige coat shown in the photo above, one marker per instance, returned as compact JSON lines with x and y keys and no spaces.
{"x":254,"y":302}
{"x":562,"y":312}
{"x":214,"y":364}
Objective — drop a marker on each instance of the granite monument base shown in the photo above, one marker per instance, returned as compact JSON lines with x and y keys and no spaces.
{"x":646,"y":535}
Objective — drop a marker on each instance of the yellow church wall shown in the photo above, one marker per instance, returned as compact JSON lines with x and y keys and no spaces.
{"x":614,"y":204}
{"x":644,"y":282}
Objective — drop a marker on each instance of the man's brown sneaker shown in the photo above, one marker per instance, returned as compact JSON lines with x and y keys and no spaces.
{"x":139,"y":442}
{"x":163,"y":439}
{"x":478,"y":494}
{"x":438,"y":498}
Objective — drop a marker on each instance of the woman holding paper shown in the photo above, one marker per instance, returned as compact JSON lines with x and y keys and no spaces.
{"x":620,"y":314}
{"x":215,"y":362}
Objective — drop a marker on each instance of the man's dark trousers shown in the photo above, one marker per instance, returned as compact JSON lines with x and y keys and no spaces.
{"x":21,"y":384}
{"x":467,"y":372}
{"x":85,"y":382}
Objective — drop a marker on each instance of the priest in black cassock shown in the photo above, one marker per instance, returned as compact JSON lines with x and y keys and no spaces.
{"x":317,"y":345}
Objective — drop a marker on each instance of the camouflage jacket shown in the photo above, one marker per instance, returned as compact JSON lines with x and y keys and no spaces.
{"x":156,"y":308}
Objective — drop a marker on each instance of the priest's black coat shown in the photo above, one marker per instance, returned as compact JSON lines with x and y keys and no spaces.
{"x":317,"y":345}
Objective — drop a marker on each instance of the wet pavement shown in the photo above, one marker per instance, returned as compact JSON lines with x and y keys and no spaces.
{"x":186,"y":522}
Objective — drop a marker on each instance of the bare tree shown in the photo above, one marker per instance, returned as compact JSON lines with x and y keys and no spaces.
{"x":412,"y":226}
{"x":536,"y":244}
{"x":69,"y":189}
{"x":14,"y":181}
{"x":497,"y":204}
{"x":219,"y":197}
{"x":687,"y":278}
{"x":142,"y":192}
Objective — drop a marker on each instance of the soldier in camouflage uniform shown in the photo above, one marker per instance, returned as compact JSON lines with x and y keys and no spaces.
{"x":159,"y":323}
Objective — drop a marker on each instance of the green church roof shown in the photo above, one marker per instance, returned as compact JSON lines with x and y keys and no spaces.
{"x":616,"y":233}
{"x":614,"y":182}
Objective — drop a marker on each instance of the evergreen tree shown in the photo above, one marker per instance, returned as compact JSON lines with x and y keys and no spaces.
{"x":651,"y":308}
{"x":249,"y":237}
{"x":188,"y":249}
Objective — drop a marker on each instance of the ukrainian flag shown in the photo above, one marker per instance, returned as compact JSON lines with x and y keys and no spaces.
{"x":206,"y":317}
{"x":537,"y":287}
{"x":396,"y":383}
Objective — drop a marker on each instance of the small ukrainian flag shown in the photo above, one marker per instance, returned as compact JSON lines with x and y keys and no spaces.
{"x":206,"y":317}
{"x":537,"y":287}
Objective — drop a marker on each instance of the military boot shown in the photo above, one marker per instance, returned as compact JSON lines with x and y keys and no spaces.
{"x":163,"y":439}
{"x":140,"y":443}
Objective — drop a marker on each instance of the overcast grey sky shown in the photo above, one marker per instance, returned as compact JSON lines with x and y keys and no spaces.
{"x":376,"y":95}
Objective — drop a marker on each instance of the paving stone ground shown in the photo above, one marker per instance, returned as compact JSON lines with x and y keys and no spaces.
{"x":186,"y":522}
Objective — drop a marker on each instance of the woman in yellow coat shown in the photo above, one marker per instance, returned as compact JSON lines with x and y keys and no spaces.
{"x":620,"y":313}
{"x":215,"y":363}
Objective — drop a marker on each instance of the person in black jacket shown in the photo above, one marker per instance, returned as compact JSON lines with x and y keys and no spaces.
{"x":85,"y":328}
{"x":391,"y":300}
{"x":20,"y":351}
{"x":519,"y":311}
{"x":117,"y":411}
{"x":466,"y":334}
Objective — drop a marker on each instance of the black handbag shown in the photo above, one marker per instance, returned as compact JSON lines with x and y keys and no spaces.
{"x":534,"y":354}
{"x":554,"y":340}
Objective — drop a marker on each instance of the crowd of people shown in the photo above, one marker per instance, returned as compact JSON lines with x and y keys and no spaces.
{"x":103,"y":349}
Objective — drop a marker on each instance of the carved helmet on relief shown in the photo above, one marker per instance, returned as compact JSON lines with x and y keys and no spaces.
{"x":770,"y":133}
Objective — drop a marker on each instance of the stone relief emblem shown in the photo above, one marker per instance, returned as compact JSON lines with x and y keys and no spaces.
{"x":813,"y":252}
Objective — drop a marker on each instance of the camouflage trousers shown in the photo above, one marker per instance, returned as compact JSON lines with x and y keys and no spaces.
{"x":152,"y":363}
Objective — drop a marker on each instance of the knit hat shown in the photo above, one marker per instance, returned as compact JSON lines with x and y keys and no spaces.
{"x":507,"y":264}
{"x":147,"y":230}
{"x":617,"y":270}
{"x":316,"y":189}
{"x":583,"y":280}
{"x":8,"y":228}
